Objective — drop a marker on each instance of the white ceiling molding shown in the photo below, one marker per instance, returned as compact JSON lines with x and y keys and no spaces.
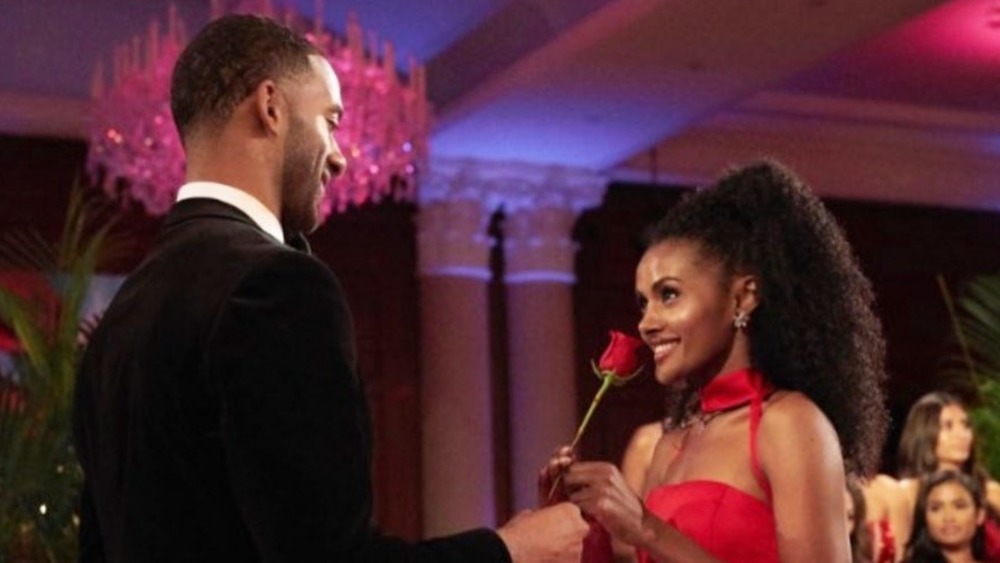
{"x":512,"y":185}
{"x":844,"y":149}
{"x":875,"y":112}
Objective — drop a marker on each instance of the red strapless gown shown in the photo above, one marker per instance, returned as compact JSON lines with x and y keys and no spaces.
{"x":728,"y":523}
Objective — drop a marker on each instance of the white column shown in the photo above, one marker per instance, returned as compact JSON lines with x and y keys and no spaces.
{"x":457,"y":415}
{"x":541,"y":203}
{"x":539,"y":257}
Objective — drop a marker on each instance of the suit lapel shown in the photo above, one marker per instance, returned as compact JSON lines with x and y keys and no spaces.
{"x":298,"y":242}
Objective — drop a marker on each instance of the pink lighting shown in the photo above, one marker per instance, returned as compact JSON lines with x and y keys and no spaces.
{"x":947,"y":57}
{"x":135,"y":150}
{"x":963,"y":29}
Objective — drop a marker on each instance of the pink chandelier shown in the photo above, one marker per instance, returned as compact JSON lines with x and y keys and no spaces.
{"x":136,"y":154}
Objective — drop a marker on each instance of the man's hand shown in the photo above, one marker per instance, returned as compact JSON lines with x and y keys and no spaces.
{"x":549,"y":535}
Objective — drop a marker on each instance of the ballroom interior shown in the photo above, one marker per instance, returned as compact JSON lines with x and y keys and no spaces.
{"x":558,"y":130}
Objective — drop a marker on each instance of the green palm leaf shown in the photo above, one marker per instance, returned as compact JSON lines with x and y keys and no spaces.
{"x":39,"y":474}
{"x":975,"y":368}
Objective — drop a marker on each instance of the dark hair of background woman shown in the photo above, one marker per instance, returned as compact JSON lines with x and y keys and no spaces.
{"x":814,"y":330}
{"x":918,"y":443}
{"x":921,"y":548}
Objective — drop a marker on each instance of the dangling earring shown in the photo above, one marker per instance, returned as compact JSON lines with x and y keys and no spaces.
{"x":741,"y":320}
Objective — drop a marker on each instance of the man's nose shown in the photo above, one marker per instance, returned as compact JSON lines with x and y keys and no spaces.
{"x":337,"y":163}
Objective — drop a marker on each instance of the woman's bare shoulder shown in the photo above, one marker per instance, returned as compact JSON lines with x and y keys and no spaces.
{"x":786,"y":410}
{"x":909,"y":485}
{"x":993,"y":494}
{"x":795,"y":433}
{"x":887,"y":484}
{"x":639,"y":454}
{"x":885,"y":495}
{"x":646,"y":436}
{"x":882,"y":482}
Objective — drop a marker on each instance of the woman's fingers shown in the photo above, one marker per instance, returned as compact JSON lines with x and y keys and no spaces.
{"x":597,"y":487}
{"x":601,"y":493}
{"x":550,"y":476}
{"x":589,"y":473}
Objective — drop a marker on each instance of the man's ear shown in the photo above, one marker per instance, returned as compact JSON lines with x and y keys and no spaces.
{"x":745,"y":293}
{"x":269,"y":107}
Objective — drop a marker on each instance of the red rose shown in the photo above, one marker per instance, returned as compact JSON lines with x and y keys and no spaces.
{"x":621,"y":356}
{"x":619,"y":364}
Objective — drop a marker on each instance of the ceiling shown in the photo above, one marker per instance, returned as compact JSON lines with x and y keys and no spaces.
{"x":890,"y":100}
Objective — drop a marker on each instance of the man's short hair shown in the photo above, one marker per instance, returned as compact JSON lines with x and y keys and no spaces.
{"x":226,"y":61}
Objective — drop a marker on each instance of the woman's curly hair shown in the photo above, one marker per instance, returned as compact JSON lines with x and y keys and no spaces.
{"x":813,"y":330}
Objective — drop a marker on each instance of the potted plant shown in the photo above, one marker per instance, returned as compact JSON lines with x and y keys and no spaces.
{"x":39,"y":474}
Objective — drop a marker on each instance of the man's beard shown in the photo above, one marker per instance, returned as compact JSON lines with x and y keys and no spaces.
{"x":298,"y":181}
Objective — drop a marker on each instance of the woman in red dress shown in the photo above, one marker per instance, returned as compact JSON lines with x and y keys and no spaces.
{"x":760,"y":323}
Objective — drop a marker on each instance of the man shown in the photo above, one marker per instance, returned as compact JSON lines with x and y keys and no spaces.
{"x":218,"y":414}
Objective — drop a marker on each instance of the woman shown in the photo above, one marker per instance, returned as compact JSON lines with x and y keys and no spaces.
{"x":948,"y":520}
{"x":937,"y":436}
{"x":760,"y":322}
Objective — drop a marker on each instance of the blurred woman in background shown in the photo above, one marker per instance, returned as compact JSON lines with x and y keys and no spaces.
{"x":948,"y":520}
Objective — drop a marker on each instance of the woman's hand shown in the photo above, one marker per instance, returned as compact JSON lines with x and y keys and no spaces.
{"x":551,"y":487}
{"x":600,"y":490}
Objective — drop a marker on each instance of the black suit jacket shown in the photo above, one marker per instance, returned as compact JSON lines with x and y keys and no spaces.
{"x":218,"y":415}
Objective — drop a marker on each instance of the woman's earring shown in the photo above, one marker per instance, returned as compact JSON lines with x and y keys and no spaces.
{"x":741,"y":320}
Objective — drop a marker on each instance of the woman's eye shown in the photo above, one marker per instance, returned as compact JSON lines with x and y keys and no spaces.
{"x":668,"y":294}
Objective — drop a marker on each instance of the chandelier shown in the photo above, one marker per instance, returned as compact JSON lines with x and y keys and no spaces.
{"x":136,"y":155}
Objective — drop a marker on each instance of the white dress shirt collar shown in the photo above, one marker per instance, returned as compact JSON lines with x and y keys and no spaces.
{"x":237,"y":198}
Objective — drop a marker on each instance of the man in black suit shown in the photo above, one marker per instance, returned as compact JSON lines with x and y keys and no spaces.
{"x":218,"y":415}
